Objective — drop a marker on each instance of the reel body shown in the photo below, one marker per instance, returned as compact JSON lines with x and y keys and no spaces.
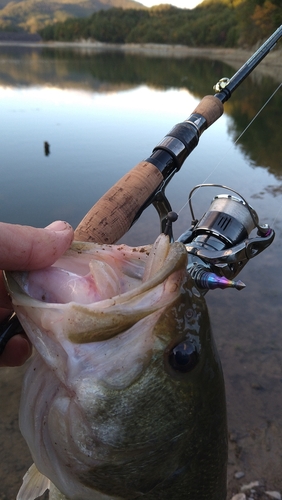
{"x":219,"y":244}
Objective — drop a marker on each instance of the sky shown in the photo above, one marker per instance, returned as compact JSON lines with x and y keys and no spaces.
{"x":188,"y":4}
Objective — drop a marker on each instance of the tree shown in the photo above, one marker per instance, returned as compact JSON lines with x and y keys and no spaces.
{"x":264,"y":18}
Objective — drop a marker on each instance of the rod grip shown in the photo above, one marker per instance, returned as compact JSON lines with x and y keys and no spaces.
{"x":211,"y":108}
{"x":111,"y":217}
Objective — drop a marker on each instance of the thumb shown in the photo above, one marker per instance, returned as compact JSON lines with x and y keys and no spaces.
{"x":26,"y":247}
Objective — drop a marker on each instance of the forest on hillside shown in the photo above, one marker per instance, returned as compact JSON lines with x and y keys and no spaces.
{"x":224,"y":23}
{"x":32,"y":15}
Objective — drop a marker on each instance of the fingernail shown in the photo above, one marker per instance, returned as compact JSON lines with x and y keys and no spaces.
{"x":58,"y":225}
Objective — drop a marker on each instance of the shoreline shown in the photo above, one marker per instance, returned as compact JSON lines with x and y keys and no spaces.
{"x":271,"y":65}
{"x":154,"y":49}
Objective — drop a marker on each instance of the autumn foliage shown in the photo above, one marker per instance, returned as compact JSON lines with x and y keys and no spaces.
{"x":225,"y":23}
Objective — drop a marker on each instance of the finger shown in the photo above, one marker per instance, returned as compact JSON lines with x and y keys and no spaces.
{"x":7,"y":308}
{"x":16,"y":352}
{"x":25,"y":247}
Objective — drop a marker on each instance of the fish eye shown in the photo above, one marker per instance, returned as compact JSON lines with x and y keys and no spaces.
{"x":183,"y":357}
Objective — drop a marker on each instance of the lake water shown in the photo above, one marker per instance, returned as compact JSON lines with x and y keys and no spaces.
{"x":102,"y":113}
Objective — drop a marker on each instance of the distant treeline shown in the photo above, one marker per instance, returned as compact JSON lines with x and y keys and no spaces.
{"x":225,"y":23}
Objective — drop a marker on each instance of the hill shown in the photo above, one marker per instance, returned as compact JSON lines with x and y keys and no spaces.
{"x":33,"y":15}
{"x":214,"y":23}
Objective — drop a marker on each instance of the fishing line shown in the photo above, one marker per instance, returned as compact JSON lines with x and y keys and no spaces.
{"x":234,"y":143}
{"x":276,"y":216}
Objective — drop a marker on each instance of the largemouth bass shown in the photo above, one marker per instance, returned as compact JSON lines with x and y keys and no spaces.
{"x":124,"y":397}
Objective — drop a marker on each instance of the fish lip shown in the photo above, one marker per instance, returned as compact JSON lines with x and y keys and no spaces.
{"x":84,"y":323}
{"x":175,"y":260}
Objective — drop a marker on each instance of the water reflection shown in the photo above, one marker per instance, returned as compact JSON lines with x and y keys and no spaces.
{"x":262,"y":143}
{"x":92,"y":70}
{"x":102,"y":114}
{"x":115,"y":72}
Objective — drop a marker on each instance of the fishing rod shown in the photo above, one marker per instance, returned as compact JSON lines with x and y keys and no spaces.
{"x":115,"y":212}
{"x":218,"y":244}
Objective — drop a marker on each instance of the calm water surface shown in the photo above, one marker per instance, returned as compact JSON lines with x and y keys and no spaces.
{"x":102,"y":113}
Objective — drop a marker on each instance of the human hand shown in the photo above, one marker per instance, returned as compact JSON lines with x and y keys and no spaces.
{"x":25,"y":248}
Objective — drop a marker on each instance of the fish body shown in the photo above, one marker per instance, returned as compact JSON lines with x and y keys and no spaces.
{"x":124,"y":398}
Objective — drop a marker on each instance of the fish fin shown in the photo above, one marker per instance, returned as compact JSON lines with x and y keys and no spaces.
{"x":34,"y":484}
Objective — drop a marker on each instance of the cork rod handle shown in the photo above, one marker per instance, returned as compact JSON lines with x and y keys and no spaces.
{"x":111,"y":217}
{"x":211,"y":108}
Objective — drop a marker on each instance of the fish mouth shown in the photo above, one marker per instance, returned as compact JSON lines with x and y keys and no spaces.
{"x":106,"y":288}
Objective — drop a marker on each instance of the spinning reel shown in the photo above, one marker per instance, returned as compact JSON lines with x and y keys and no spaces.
{"x":219,"y":243}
